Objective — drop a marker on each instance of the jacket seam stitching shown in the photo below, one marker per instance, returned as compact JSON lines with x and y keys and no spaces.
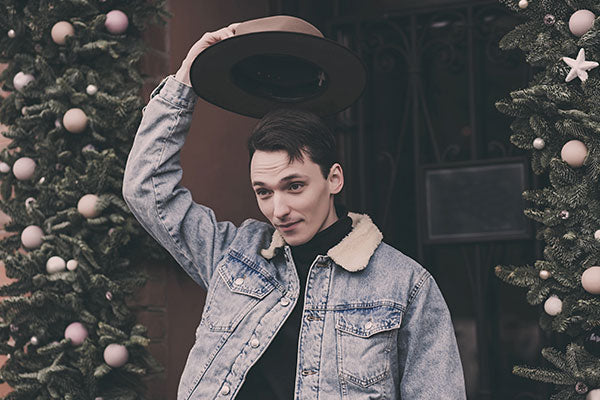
{"x":417,"y":289}
{"x":159,"y":210}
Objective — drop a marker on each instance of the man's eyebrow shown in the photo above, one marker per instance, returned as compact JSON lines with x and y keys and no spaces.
{"x":284,"y":179}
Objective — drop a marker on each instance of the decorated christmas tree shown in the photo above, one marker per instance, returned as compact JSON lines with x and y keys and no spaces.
{"x":72,"y":110}
{"x":558,"y":118}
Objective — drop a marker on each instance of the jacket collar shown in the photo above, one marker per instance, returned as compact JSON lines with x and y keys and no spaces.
{"x":352,"y":253}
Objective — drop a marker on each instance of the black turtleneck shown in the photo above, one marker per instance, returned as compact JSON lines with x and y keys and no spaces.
{"x":274,"y":374}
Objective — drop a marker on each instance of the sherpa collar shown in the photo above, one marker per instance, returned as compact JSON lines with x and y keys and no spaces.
{"x":353,"y":252}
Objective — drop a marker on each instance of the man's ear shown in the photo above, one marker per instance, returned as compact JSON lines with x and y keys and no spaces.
{"x":335,"y":178}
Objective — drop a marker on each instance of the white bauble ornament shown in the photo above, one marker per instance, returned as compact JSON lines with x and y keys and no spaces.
{"x":60,"y":31}
{"x":24,"y":168}
{"x":11,"y":34}
{"x":538,"y":143}
{"x":72,"y":265}
{"x":553,"y":305}
{"x":574,"y":153}
{"x":523,"y":4}
{"x":34,"y":340}
{"x":545,"y":274}
{"x":4,"y":167}
{"x":593,"y":395}
{"x":75,"y":120}
{"x":590,"y":280}
{"x":31,"y":237}
{"x":91,"y":89}
{"x":21,"y":80}
{"x":581,"y":21}
{"x":87,"y":206}
{"x":116,"y":22}
{"x":116,"y":355}
{"x":76,"y":332}
{"x":55,"y":264}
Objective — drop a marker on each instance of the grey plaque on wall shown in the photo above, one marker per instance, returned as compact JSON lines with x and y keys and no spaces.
{"x":475,"y":202}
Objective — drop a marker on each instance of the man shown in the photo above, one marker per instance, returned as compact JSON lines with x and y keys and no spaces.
{"x":311,"y":306}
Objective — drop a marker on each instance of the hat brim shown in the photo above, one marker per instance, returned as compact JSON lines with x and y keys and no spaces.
{"x":212,"y":78}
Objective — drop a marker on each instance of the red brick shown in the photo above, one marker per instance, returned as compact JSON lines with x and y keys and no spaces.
{"x":156,"y":387}
{"x":156,"y":37}
{"x":155,"y":63}
{"x":155,"y":321}
{"x":154,"y":293}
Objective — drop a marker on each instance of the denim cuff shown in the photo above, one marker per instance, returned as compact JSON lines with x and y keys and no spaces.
{"x":176,"y":93}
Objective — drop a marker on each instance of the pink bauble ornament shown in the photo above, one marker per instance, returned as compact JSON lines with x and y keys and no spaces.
{"x":593,"y":395}
{"x":76,"y":332}
{"x":539,"y":143}
{"x":4,"y":167}
{"x":545,"y":274}
{"x":11,"y":33}
{"x":72,"y":265}
{"x":91,"y":89}
{"x":590,"y":280}
{"x":75,"y":120}
{"x":24,"y":168}
{"x":60,"y":31}
{"x":31,"y":237}
{"x":55,"y":264}
{"x":574,"y":153}
{"x":523,"y":4}
{"x":109,"y":296}
{"x":21,"y":80}
{"x":581,"y":21}
{"x":553,"y":305}
{"x":34,"y":340}
{"x":116,"y":355}
{"x":87,"y":206}
{"x":116,"y":22}
{"x":597,"y":235}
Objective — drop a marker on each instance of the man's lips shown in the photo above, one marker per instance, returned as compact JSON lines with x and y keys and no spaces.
{"x":287,"y":227}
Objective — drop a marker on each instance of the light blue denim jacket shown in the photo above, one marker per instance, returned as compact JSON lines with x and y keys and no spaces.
{"x":374,"y":326}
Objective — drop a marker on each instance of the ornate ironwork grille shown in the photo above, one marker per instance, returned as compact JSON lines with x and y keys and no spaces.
{"x":434,"y":76}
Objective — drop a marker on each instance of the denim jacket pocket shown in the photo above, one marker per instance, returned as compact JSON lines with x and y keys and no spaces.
{"x":236,"y":289}
{"x":365,"y":343}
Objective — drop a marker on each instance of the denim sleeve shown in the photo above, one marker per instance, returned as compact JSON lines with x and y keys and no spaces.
{"x":152,"y":190}
{"x":430,"y":366}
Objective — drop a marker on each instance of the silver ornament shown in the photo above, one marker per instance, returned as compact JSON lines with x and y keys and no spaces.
{"x":29,"y":201}
{"x":545,"y":274}
{"x":91,"y":90}
{"x":34,"y":340}
{"x":57,"y":124}
{"x":12,"y":34}
{"x":581,"y":388}
{"x":549,"y":19}
{"x":72,"y":265}
{"x":24,"y":110}
{"x":597,"y":235}
{"x":42,"y":180}
{"x":564,"y":214}
{"x":523,"y":4}
{"x":539,"y":143}
{"x":109,"y":296}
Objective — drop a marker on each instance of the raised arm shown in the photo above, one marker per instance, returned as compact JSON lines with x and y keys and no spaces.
{"x":151,"y":185}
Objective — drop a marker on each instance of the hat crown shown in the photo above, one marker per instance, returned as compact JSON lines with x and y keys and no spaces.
{"x":282,"y":23}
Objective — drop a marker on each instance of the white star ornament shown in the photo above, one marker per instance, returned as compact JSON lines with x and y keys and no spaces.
{"x":579,"y":67}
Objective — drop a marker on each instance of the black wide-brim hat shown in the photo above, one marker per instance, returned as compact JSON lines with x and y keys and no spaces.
{"x":275,"y":62}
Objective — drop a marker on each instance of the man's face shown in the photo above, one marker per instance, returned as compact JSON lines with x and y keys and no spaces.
{"x":295,"y":197}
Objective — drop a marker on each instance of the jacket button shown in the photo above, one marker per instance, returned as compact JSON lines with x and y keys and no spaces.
{"x":254,"y":342}
{"x":238,"y":281}
{"x":284,"y":302}
{"x":368,"y":325}
{"x":225,"y":390}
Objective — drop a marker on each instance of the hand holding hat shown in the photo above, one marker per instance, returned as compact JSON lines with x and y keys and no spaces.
{"x":208,"y":39}
{"x":259,"y":65}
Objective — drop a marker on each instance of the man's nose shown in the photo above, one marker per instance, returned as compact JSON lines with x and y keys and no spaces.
{"x":280,"y":206}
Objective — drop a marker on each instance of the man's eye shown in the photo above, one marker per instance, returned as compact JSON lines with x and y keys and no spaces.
{"x":296,"y":186}
{"x":261,"y":192}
